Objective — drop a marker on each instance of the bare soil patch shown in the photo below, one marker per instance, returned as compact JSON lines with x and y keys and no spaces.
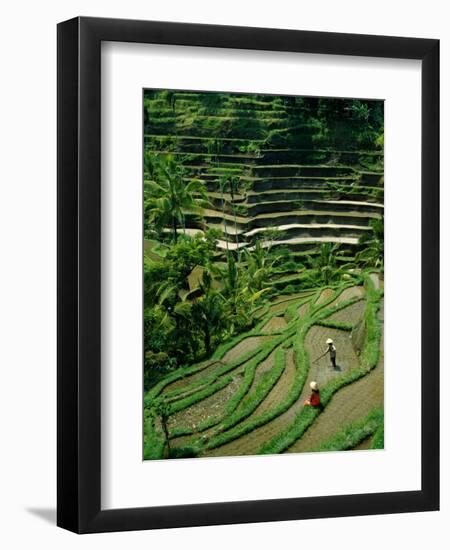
{"x":201,"y":411}
{"x":246,"y":345}
{"x":276,"y":323}
{"x":350,"y":314}
{"x":324,"y":295}
{"x":251,"y":442}
{"x":352,"y":292}
{"x":348,"y":405}
{"x":320,"y":371}
{"x":211,"y":367}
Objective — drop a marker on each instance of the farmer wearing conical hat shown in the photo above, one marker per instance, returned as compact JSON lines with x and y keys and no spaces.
{"x":331,"y":349}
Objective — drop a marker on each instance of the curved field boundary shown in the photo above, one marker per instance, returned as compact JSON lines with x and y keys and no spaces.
{"x":349,"y":405}
{"x":223,"y":369}
{"x":235,"y":401}
{"x":261,"y":354}
{"x":279,"y":390}
{"x":369,"y":360}
{"x":217,"y":356}
{"x":295,"y":390}
{"x":227,"y":367}
{"x":351,"y":314}
{"x":332,"y":301}
{"x":255,"y":398}
{"x":302,"y":369}
{"x":190,"y":417}
{"x":246,"y":405}
{"x":265,"y":309}
{"x":334,"y":324}
{"x":324,"y":296}
{"x":242,"y":409}
{"x":353,"y":434}
{"x":277,"y":323}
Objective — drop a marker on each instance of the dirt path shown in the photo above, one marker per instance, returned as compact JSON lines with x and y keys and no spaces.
{"x":246,"y":345}
{"x":192,"y":416}
{"x":262,"y":368}
{"x":321,"y":372}
{"x":349,"y":293}
{"x":350,"y":404}
{"x":183,"y":382}
{"x":350,"y":314}
{"x":281,"y":388}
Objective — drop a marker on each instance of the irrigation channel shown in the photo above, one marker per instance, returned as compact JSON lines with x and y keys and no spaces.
{"x":280,"y":173}
{"x":249,"y":397}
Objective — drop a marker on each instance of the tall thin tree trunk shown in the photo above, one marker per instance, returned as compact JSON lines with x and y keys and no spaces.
{"x":174,"y":229}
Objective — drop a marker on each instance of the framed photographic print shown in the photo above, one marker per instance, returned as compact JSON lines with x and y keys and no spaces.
{"x":248,"y":308}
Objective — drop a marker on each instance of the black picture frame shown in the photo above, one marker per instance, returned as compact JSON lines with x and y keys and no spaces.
{"x":79,"y":276}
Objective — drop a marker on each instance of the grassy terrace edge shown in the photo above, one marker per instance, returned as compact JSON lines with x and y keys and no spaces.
{"x":369,"y":360}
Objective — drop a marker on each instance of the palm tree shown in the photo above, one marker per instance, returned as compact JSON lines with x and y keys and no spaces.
{"x":240,"y":297}
{"x":325,"y":264}
{"x":168,"y":196}
{"x":206,"y":313}
{"x":260,"y":265}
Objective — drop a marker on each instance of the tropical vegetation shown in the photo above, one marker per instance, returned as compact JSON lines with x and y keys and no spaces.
{"x":263,"y":226}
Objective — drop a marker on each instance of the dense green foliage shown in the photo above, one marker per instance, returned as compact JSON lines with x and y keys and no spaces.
{"x":344,"y":124}
{"x":190,"y":322}
{"x":248,"y":198}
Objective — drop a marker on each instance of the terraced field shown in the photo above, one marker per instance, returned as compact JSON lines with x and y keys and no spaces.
{"x":261,"y":382}
{"x":308,"y":195}
{"x":282,"y":185}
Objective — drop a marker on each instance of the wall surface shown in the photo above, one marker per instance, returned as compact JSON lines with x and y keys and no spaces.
{"x":28,"y":269}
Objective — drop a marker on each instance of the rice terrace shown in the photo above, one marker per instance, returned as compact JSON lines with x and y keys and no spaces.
{"x":263,"y":274}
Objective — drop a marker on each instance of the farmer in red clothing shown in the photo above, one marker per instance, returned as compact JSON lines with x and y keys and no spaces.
{"x":314,"y":398}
